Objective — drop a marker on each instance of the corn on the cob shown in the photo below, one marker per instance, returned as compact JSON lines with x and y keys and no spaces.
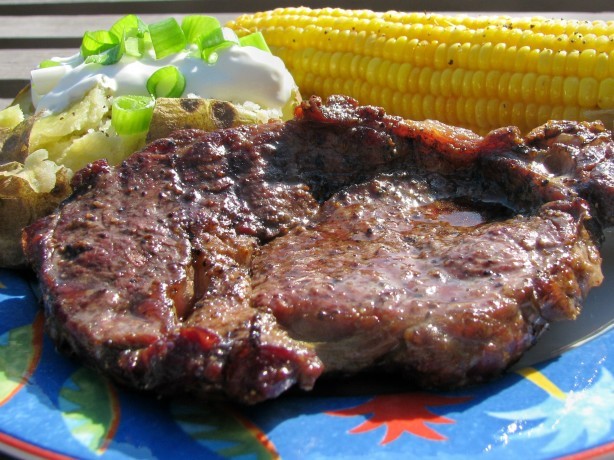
{"x":479,"y":72}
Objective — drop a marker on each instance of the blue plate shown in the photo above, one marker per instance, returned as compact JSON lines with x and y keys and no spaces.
{"x":558,"y":402}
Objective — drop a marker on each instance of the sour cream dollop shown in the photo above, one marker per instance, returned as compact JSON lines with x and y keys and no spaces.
{"x":240,"y":74}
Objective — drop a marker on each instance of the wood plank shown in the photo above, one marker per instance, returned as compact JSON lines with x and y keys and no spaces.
{"x":85,"y":7}
{"x":15,"y":65}
{"x":77,"y":7}
{"x":65,"y":31}
{"x":74,"y":26}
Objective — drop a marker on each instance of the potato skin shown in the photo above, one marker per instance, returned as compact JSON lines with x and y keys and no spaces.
{"x":171,"y":114}
{"x":20,"y":205}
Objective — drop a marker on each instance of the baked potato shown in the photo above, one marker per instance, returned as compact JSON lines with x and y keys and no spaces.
{"x":127,"y":85}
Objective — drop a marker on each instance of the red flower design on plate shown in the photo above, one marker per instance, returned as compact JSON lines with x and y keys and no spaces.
{"x":408,"y":412}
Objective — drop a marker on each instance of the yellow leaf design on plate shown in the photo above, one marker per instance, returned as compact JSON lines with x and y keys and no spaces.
{"x":539,"y":379}
{"x":225,"y":431}
{"x":90,"y":409}
{"x":20,"y":352}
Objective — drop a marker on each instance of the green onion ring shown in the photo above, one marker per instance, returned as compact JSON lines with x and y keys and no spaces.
{"x":132,"y":114}
{"x":166,"y":37}
{"x":166,"y":82}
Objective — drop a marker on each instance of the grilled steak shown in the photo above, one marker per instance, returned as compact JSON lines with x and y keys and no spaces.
{"x":241,"y":262}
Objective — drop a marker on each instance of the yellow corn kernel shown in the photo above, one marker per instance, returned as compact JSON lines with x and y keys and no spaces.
{"x":531,"y":114}
{"x":570,"y":90}
{"x":606,"y":93}
{"x":492,"y":83}
{"x":542,"y":89}
{"x":588,"y":92}
{"x":403,"y":77}
{"x":481,"y":72}
{"x":556,"y":89}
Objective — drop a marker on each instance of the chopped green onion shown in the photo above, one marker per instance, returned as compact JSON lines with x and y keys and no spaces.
{"x":166,"y":82}
{"x":197,"y":26}
{"x":132,"y":114}
{"x":101,"y":47}
{"x":130,"y":25}
{"x":166,"y":37}
{"x":134,"y":46}
{"x":216,"y":40}
{"x":107,"y":57}
{"x":48,"y":63}
{"x":97,"y":42}
{"x":256,"y":40}
{"x":130,"y":31}
{"x":219,"y":36}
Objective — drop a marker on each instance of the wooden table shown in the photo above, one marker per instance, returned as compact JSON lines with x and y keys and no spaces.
{"x":34,"y":30}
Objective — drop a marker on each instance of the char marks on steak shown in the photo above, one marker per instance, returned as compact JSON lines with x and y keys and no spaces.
{"x":241,"y":262}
